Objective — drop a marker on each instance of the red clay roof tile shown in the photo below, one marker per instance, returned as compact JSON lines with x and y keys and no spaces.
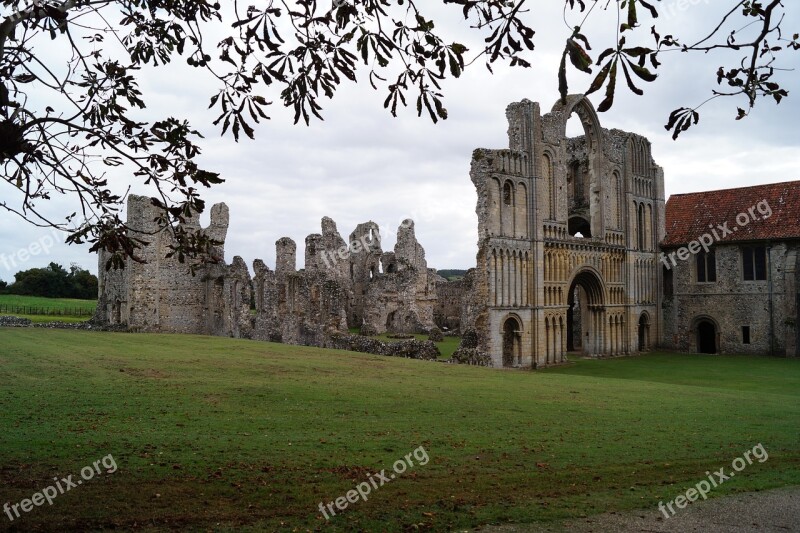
{"x":688,"y":216}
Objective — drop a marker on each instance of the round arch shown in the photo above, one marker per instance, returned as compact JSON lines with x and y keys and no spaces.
{"x":590,"y":281}
{"x":591,"y":185}
{"x":582,"y":106}
{"x":705,"y":333}
{"x":511,"y":329}
{"x":644,"y":331}
{"x":579,"y":224}
{"x":586,"y":312}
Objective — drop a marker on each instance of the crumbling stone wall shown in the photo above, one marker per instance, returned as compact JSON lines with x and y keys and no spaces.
{"x":161,"y":294}
{"x":401,"y":298}
{"x":364,"y":258}
{"x":342,"y":284}
{"x":301,"y":307}
{"x":450,"y":295}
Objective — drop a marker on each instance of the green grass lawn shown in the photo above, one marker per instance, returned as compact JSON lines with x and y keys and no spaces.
{"x":40,"y":309}
{"x":220,"y":434}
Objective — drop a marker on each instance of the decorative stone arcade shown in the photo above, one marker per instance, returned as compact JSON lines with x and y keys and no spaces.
{"x":568,"y":233}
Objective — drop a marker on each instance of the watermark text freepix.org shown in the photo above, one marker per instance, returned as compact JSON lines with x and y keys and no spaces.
{"x":364,"y":488}
{"x":48,"y":494}
{"x":714,"y":480}
{"x":704,"y":241}
{"x":37,"y":247}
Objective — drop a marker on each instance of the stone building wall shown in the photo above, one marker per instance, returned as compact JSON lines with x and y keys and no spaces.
{"x":450,"y":295}
{"x":401,"y":297}
{"x":302,"y":307}
{"x":768,"y":308}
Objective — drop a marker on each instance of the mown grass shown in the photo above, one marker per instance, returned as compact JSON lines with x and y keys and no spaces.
{"x":214,"y":433}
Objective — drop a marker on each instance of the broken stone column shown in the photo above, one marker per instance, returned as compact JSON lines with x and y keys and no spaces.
{"x":285,"y":256}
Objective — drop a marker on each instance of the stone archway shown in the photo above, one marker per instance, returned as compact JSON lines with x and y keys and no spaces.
{"x":706,"y":336}
{"x":644,"y":332}
{"x":116,"y":312}
{"x":588,"y":205}
{"x":512,"y":342}
{"x":587,"y":284}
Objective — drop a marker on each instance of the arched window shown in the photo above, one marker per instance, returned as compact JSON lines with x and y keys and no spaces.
{"x":507,"y":194}
{"x":640,"y":226}
{"x":549,"y":186}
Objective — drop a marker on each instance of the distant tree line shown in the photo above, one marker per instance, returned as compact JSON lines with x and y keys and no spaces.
{"x":452,"y":274}
{"x":53,"y":282}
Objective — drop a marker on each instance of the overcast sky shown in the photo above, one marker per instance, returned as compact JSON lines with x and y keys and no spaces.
{"x":362,"y":164}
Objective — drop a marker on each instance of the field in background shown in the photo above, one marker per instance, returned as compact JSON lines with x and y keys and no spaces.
{"x":216,"y":433}
{"x":41,"y":309}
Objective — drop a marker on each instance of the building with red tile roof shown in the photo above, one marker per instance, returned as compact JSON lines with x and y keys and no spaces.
{"x":730,"y":270}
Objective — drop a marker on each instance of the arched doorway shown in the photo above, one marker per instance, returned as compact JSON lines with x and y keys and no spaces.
{"x":576,"y":310}
{"x":512,"y":342}
{"x":586,"y":328}
{"x":116,"y":312}
{"x":644,"y":333}
{"x":706,"y":337}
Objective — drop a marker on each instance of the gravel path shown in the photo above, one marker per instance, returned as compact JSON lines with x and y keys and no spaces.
{"x":772,"y":511}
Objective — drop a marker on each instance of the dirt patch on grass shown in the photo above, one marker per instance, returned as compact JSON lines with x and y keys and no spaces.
{"x":352,"y":473}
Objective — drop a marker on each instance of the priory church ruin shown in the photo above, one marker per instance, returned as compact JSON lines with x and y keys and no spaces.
{"x":570,"y":239}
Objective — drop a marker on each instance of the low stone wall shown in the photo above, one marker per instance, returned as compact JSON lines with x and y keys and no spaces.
{"x":15,"y":322}
{"x":411,"y":349}
{"x":18,"y":322}
{"x":471,"y":356}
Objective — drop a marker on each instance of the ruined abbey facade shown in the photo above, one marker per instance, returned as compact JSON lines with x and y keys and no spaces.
{"x":570,"y":235}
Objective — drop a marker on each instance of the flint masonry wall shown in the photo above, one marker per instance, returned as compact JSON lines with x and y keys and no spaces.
{"x":343,"y":284}
{"x":160,"y":294}
{"x":401,"y":298}
{"x":731,"y":304}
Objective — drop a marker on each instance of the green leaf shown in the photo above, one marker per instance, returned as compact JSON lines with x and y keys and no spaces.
{"x":600,"y":79}
{"x":562,"y":77}
{"x":578,"y":56}
{"x":606,"y":104}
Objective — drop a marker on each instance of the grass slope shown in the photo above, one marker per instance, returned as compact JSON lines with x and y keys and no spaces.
{"x":213,"y":433}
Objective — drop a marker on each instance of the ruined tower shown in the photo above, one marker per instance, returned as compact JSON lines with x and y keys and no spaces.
{"x":161,"y":294}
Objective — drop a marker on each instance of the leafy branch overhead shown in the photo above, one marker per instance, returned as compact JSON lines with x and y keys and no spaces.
{"x":68,"y":119}
{"x":757,"y":36}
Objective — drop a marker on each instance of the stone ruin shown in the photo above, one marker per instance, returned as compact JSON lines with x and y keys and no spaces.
{"x":569,"y":235}
{"x":344,"y":285}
